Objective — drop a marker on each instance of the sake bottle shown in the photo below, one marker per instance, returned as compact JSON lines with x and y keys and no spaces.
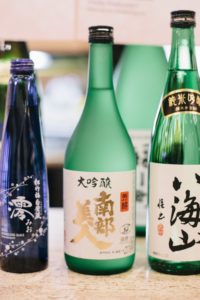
{"x":9,"y":50}
{"x":23,"y":177}
{"x":174,"y":198}
{"x":99,"y":174}
{"x":140,"y":65}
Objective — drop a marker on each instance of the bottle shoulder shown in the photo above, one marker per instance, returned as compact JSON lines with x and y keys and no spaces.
{"x":176,"y":139}
{"x":22,"y":140}
{"x":100,"y":140}
{"x":182,"y":79}
{"x":100,"y":153}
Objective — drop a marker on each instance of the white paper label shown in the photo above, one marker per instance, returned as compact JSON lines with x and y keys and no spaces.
{"x":141,"y":141}
{"x":174,"y":212}
{"x":99,"y":214}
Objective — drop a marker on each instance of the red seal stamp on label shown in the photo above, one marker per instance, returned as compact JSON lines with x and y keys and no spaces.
{"x":160,"y":229}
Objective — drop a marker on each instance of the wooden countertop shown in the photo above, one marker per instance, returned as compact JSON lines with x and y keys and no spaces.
{"x":57,"y":282}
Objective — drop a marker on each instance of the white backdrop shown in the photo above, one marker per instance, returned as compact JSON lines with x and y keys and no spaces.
{"x":135,"y":21}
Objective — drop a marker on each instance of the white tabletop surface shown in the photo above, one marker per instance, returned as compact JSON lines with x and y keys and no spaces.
{"x":57,"y":282}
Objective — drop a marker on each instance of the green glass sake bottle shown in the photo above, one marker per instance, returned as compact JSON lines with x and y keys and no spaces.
{"x":140,"y":65}
{"x":99,"y":174}
{"x":174,"y":197}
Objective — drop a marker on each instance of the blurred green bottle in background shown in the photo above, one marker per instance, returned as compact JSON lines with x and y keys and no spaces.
{"x":142,"y":73}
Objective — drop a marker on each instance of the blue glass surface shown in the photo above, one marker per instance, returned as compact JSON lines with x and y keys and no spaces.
{"x":23,"y":181}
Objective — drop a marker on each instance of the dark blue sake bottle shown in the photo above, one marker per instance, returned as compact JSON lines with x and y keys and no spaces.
{"x":23,"y":177}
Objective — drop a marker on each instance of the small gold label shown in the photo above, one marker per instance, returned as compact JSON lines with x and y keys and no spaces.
{"x":181,"y":101}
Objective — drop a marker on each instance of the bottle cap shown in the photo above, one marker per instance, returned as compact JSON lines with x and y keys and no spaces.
{"x":100,"y":34}
{"x":22,"y":66}
{"x":183,"y":18}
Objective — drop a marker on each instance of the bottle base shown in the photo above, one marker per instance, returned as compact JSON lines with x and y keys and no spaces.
{"x":99,"y":267}
{"x":20,"y":266}
{"x":174,"y":268}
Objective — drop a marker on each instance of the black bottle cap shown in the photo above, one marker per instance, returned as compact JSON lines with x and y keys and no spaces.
{"x":22,"y":66}
{"x":100,"y":34}
{"x":183,"y":18}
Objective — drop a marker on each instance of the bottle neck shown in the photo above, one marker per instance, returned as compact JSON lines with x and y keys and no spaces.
{"x":100,"y":66}
{"x":182,"y":55}
{"x":22,"y":91}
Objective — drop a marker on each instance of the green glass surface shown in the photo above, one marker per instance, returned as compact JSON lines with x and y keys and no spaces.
{"x":100,"y":143}
{"x":17,"y":49}
{"x":3,"y":90}
{"x":176,"y":139}
{"x":141,"y":81}
{"x":142,"y":74}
